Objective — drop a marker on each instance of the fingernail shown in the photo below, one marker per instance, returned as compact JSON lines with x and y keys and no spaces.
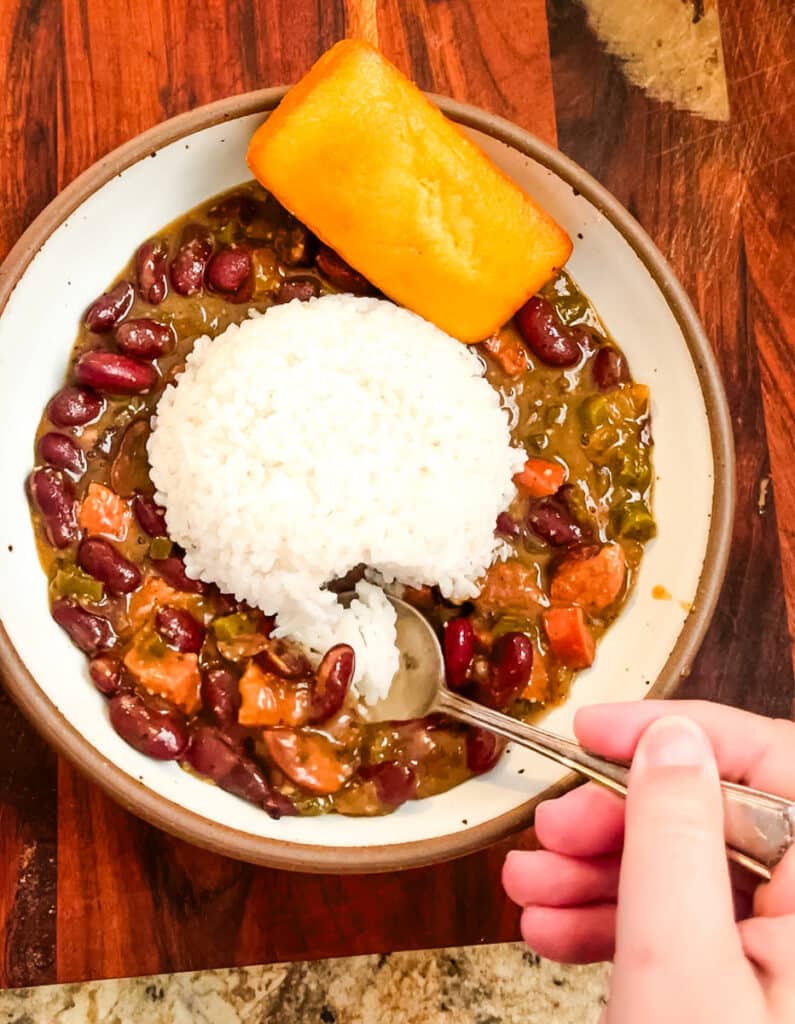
{"x":674,"y":742}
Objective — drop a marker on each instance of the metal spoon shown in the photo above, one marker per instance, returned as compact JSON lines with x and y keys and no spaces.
{"x":759,"y":827}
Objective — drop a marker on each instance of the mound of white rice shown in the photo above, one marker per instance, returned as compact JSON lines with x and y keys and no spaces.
{"x":327,"y":434}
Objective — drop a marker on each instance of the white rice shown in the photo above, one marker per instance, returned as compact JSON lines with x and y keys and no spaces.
{"x":323,"y":435}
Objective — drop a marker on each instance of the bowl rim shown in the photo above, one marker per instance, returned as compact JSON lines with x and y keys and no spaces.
{"x":187,"y":825}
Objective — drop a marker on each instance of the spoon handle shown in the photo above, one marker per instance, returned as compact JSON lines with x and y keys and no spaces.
{"x":759,"y":827}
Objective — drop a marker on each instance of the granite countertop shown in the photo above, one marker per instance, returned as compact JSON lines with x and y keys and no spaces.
{"x":503,"y":984}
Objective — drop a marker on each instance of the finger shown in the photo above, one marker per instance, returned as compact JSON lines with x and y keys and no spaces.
{"x":769,"y":942}
{"x":546,"y":879}
{"x":581,"y":935}
{"x":777,"y":897}
{"x":748,"y":748}
{"x":586,"y":822}
{"x":675,"y":918}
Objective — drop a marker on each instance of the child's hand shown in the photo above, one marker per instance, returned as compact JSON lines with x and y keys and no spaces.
{"x":646,"y":881}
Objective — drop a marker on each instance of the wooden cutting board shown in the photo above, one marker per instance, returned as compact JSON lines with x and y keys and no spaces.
{"x":86,"y":890}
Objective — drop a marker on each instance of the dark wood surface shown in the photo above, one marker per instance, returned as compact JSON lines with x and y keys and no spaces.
{"x":86,"y":890}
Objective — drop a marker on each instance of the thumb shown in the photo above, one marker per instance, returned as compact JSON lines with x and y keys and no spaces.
{"x":675,"y":918}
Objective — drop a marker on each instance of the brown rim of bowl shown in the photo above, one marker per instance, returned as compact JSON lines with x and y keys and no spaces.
{"x":187,"y":825}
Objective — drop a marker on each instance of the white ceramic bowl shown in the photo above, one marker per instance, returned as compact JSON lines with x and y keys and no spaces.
{"x":70,"y":254}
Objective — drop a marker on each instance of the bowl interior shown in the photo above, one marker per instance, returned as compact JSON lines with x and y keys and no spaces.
{"x":37,"y":328}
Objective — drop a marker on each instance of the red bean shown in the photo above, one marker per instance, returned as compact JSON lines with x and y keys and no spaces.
{"x":229,"y":272}
{"x":293,"y":245}
{"x":145,"y":338}
{"x":91,"y":633}
{"x":113,"y":373}
{"x":150,"y":724}
{"x":150,"y":267}
{"x":99,"y":558}
{"x":172,"y":569}
{"x":609,"y":368}
{"x":180,"y":630}
{"x":285,"y":659}
{"x":552,"y":521}
{"x":333,"y":678}
{"x":190,"y":261}
{"x":220,"y":695}
{"x":459,"y":649}
{"x":552,"y":341}
{"x":510,"y":666}
{"x":483,"y":750}
{"x":507,"y":525}
{"x":74,"y":407}
{"x":106,"y":674}
{"x":395,"y":783}
{"x":151,"y":517}
{"x":341,"y":274}
{"x":110,"y":308}
{"x":63,"y":452}
{"x":211,"y":755}
{"x":54,"y":496}
{"x":301,"y":288}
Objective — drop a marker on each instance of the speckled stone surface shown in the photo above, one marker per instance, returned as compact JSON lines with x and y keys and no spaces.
{"x":502,"y":984}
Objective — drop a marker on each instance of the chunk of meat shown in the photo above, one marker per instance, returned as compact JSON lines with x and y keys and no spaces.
{"x":540,"y":478}
{"x":104,"y":514}
{"x":508,"y":352}
{"x":594,"y":582}
{"x":156,"y":593}
{"x":310,"y":760}
{"x":169,"y":674}
{"x":268,"y":699}
{"x":537,"y":688}
{"x":510,"y":587}
{"x":570,"y":639}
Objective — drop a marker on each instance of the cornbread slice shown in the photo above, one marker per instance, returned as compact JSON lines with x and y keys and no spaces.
{"x":359,"y":155}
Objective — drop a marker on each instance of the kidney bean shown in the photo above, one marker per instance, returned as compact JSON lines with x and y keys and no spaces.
{"x":209,"y":754}
{"x":172,"y":569}
{"x":129,"y":471}
{"x":459,"y":649}
{"x":145,"y":338}
{"x":106,"y":674}
{"x":341,"y":274}
{"x":333,"y":678}
{"x":510,"y":666}
{"x":115,"y":374}
{"x":220,"y":695}
{"x":190,"y":260}
{"x":609,"y":368}
{"x":150,"y":267}
{"x":552,"y":521}
{"x":63,"y":452}
{"x":483,"y":750}
{"x":285,"y":659}
{"x":552,"y":341}
{"x":74,"y":407}
{"x":91,"y":633}
{"x":507,"y":525}
{"x":395,"y":783}
{"x":229,"y":272}
{"x":110,"y":308}
{"x":151,"y":517}
{"x":301,"y":288}
{"x":150,"y":725}
{"x":180,"y":630}
{"x":54,"y":496}
{"x":101,"y":560}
